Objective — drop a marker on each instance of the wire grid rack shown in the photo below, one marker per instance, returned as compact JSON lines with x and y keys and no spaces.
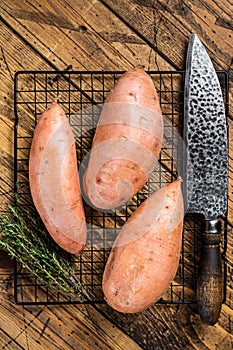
{"x":82,"y":95}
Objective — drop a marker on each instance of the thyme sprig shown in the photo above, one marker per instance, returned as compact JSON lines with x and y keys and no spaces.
{"x":26,"y":240}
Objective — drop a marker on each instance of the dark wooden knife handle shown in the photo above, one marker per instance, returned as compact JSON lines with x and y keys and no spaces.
{"x":209,"y":279}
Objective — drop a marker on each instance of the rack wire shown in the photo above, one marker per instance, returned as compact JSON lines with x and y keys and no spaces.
{"x":82,"y":95}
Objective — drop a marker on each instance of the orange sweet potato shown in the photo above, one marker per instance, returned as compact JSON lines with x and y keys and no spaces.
{"x":145,"y":256}
{"x":127,"y":142}
{"x":54,"y":180}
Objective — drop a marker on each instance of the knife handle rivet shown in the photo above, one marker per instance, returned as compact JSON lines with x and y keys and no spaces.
{"x":212,"y":226}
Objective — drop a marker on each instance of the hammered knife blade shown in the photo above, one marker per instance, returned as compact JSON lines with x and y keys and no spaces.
{"x":206,"y":171}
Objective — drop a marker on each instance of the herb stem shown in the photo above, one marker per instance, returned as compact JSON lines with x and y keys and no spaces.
{"x":26,"y":240}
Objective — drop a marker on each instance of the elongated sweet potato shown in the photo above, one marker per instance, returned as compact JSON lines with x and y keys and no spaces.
{"x":127,"y":142}
{"x":145,"y":256}
{"x":54,"y":180}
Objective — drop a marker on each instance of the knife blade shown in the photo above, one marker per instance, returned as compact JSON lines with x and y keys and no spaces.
{"x":206,"y":171}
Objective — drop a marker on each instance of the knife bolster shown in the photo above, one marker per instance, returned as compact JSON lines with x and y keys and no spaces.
{"x":211,"y":232}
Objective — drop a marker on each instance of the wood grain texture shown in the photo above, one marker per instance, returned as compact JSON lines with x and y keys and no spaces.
{"x":85,"y":41}
{"x":103,"y":35}
{"x":165,"y":25}
{"x":60,"y":327}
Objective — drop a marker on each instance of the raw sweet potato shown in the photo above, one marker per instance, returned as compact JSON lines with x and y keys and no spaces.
{"x":145,"y":256}
{"x":127,"y":142}
{"x":54,"y":180}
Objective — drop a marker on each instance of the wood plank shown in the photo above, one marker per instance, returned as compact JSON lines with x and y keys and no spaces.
{"x":30,"y":29}
{"x":158,"y":327}
{"x":212,"y":337}
{"x":11,"y":61}
{"x":175,"y":21}
{"x":166,"y":323}
{"x":226,"y":318}
{"x":204,"y":336}
{"x":81,"y":42}
{"x":62,"y":327}
{"x":166,"y":25}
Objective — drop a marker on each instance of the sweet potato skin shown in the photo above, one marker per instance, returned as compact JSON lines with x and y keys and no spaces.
{"x":127,"y":142}
{"x":54,"y":180}
{"x":145,"y":256}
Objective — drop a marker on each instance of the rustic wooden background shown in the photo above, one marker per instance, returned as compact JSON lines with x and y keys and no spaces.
{"x":108,"y":35}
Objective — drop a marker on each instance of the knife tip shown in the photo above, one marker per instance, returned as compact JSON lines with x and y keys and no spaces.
{"x":193,"y":41}
{"x":193,"y":37}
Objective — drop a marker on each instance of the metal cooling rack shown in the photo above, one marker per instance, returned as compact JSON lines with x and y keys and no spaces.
{"x":82,"y":95}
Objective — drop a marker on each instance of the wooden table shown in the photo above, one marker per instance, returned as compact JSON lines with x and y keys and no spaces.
{"x":108,"y":35}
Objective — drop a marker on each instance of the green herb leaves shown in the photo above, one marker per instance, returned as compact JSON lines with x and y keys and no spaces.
{"x":26,"y":240}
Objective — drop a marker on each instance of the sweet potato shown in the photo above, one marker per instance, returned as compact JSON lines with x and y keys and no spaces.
{"x":145,"y":256}
{"x":54,"y":180}
{"x":127,"y":142}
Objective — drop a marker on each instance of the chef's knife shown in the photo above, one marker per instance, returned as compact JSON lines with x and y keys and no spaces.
{"x":206,"y":170}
